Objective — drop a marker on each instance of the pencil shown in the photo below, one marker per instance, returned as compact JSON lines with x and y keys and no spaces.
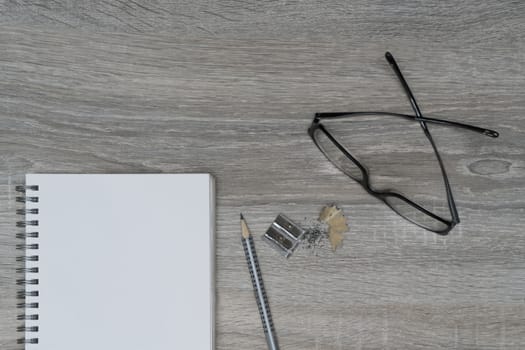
{"x":258,"y":286}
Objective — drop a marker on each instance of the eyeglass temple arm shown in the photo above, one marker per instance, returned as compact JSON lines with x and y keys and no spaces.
{"x":419,"y":117}
{"x":390,"y":58}
{"x":335,"y":115}
{"x":411,"y":97}
{"x":487,"y":132}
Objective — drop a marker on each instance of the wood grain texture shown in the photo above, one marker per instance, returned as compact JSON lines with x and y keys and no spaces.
{"x":230,"y":88}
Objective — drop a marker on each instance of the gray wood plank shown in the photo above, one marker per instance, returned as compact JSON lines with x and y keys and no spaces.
{"x":156,"y":93}
{"x":466,"y":23}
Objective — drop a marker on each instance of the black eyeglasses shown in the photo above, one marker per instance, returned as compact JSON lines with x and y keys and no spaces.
{"x":342,"y":158}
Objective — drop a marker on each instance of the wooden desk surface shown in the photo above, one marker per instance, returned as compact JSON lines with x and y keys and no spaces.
{"x":230,"y":88}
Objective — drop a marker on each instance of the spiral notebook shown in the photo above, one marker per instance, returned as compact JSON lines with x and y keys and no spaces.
{"x":121,"y":261}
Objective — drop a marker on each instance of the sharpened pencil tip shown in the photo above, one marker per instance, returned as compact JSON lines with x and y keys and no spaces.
{"x":245,"y":232}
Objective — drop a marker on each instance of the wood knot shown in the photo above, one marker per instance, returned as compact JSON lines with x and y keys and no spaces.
{"x":490,"y":167}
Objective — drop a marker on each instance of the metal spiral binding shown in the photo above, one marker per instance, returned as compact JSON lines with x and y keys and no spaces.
{"x":27,"y":257}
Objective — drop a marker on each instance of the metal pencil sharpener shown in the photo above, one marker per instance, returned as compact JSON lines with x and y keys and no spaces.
{"x":284,"y":235}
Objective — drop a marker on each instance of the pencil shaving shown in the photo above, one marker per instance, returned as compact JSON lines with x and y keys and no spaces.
{"x":335,"y":238}
{"x":337,"y":224}
{"x":328,"y":213}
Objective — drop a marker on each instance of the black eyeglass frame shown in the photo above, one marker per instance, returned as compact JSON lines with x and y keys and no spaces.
{"x":365,"y":178}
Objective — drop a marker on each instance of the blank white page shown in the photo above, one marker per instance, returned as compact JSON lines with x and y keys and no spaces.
{"x":125,"y":261}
